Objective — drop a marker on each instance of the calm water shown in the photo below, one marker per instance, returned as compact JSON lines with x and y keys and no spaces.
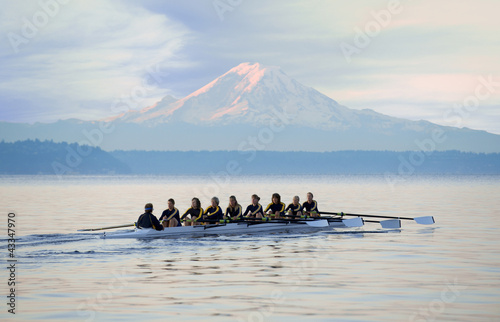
{"x":448,"y":271}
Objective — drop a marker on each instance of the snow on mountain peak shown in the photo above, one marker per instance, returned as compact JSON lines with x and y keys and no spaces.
{"x":250,"y":93}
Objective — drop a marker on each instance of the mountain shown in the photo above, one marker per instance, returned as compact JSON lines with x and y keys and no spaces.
{"x":254,"y":107}
{"x":255,"y":95}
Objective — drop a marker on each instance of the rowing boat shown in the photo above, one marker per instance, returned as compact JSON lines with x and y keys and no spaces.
{"x":243,"y":227}
{"x":250,"y":226}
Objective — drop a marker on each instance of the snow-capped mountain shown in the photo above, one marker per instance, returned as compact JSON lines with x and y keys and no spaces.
{"x":245,"y":110}
{"x":251,"y":93}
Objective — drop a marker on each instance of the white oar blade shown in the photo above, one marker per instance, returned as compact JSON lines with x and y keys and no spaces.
{"x":391,"y":223}
{"x":353,"y":222}
{"x":318,"y":223}
{"x":426,"y":220}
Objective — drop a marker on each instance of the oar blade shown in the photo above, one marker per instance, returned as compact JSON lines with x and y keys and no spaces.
{"x":391,"y":223}
{"x":426,"y":220}
{"x":318,"y":223}
{"x":353,"y":222}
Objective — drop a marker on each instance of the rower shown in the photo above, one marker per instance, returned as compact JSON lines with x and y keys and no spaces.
{"x":147,"y":219}
{"x":170,"y":216}
{"x":213,"y":212}
{"x":195,"y":212}
{"x":310,"y":206}
{"x":254,"y":210}
{"x":295,"y":208}
{"x":233,"y":210}
{"x":276,"y":208}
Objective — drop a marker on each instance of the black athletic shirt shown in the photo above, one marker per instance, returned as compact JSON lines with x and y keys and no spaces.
{"x":313,"y":206}
{"x":293,"y":208}
{"x":233,"y":212}
{"x":253,"y":210}
{"x":169,"y":214}
{"x":148,"y":220}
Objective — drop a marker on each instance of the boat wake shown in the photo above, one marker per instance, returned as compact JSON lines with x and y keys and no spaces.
{"x":54,"y":239}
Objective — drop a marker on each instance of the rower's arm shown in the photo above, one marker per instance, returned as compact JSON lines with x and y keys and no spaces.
{"x":173,"y":214}
{"x":138,"y":223}
{"x":216,"y":212}
{"x":185,"y":214}
{"x":156,"y":223}
{"x":199,"y":216}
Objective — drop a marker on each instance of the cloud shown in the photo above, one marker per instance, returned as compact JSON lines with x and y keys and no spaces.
{"x":83,"y":58}
{"x":426,"y":58}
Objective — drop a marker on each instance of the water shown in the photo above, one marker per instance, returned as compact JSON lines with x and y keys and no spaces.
{"x":448,"y":271}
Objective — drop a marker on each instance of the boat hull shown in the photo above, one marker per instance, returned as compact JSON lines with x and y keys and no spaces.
{"x":223,"y":229}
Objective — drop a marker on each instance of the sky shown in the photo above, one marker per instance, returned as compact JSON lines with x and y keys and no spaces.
{"x":419,"y":60}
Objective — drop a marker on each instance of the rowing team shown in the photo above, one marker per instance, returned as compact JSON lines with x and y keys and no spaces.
{"x":276,"y":209}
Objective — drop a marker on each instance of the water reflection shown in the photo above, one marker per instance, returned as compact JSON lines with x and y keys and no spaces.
{"x":358,"y":274}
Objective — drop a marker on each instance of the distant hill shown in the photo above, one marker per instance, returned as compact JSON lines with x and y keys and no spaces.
{"x":341,"y":162}
{"x":47,"y":157}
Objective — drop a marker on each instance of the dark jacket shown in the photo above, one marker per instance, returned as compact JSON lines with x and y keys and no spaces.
{"x":148,"y":220}
{"x":214,"y":213}
{"x":167,"y":214}
{"x":253,"y":210}
{"x":233,"y":213}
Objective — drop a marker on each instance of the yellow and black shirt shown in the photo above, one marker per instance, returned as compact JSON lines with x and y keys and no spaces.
{"x":310,"y":207}
{"x":213,"y":213}
{"x":169,"y":214}
{"x":276,"y":207}
{"x":253,"y":210}
{"x":195,"y":213}
{"x":148,"y":220}
{"x":233,"y":212}
{"x":294,"y":208}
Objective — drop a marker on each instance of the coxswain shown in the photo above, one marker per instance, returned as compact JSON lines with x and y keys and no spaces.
{"x":170,"y":216}
{"x":147,"y":219}
{"x":295,"y":208}
{"x":310,"y":206}
{"x":276,"y":208}
{"x":233,"y":210}
{"x":195,"y":213}
{"x":213,"y":212}
{"x":254,"y":210}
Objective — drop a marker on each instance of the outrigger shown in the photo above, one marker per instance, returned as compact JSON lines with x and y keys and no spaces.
{"x":251,"y":226}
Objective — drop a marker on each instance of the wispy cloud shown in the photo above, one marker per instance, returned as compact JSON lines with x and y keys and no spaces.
{"x":426,"y":59}
{"x":86,"y":55}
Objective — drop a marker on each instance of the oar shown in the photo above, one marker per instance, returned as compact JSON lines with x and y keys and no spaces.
{"x":103,"y":228}
{"x":390,"y":223}
{"x":425,"y":220}
{"x":353,"y":222}
{"x":319,"y":222}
